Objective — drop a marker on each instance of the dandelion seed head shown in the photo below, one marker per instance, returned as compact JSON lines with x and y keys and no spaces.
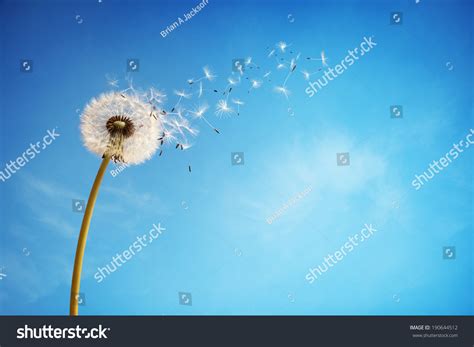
{"x":119,"y":125}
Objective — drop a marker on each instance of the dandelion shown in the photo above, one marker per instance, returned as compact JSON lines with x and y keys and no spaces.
{"x":222,"y":108}
{"x":116,"y":126}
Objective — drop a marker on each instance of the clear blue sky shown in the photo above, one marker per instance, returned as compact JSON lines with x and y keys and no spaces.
{"x":217,"y":243}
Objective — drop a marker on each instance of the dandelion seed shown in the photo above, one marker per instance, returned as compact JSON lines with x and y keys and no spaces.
{"x":238,"y":103}
{"x":323,"y":59}
{"x":208,"y":74}
{"x":292,"y":65}
{"x":182,"y":94}
{"x":200,"y":110}
{"x":222,"y":108}
{"x":283,"y":90}
{"x":256,"y":84}
{"x":232,"y":81}
{"x":200,"y":90}
{"x":112,"y":81}
{"x":282,"y":46}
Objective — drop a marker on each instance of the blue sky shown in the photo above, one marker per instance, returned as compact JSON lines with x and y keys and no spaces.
{"x":220,"y":248}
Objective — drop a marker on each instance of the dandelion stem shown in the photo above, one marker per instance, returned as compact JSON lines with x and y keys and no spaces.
{"x":81,"y":243}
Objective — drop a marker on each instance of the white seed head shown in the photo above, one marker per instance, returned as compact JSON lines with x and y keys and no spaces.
{"x":122,"y":126}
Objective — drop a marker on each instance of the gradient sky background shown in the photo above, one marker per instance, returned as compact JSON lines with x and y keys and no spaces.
{"x":220,"y":248}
